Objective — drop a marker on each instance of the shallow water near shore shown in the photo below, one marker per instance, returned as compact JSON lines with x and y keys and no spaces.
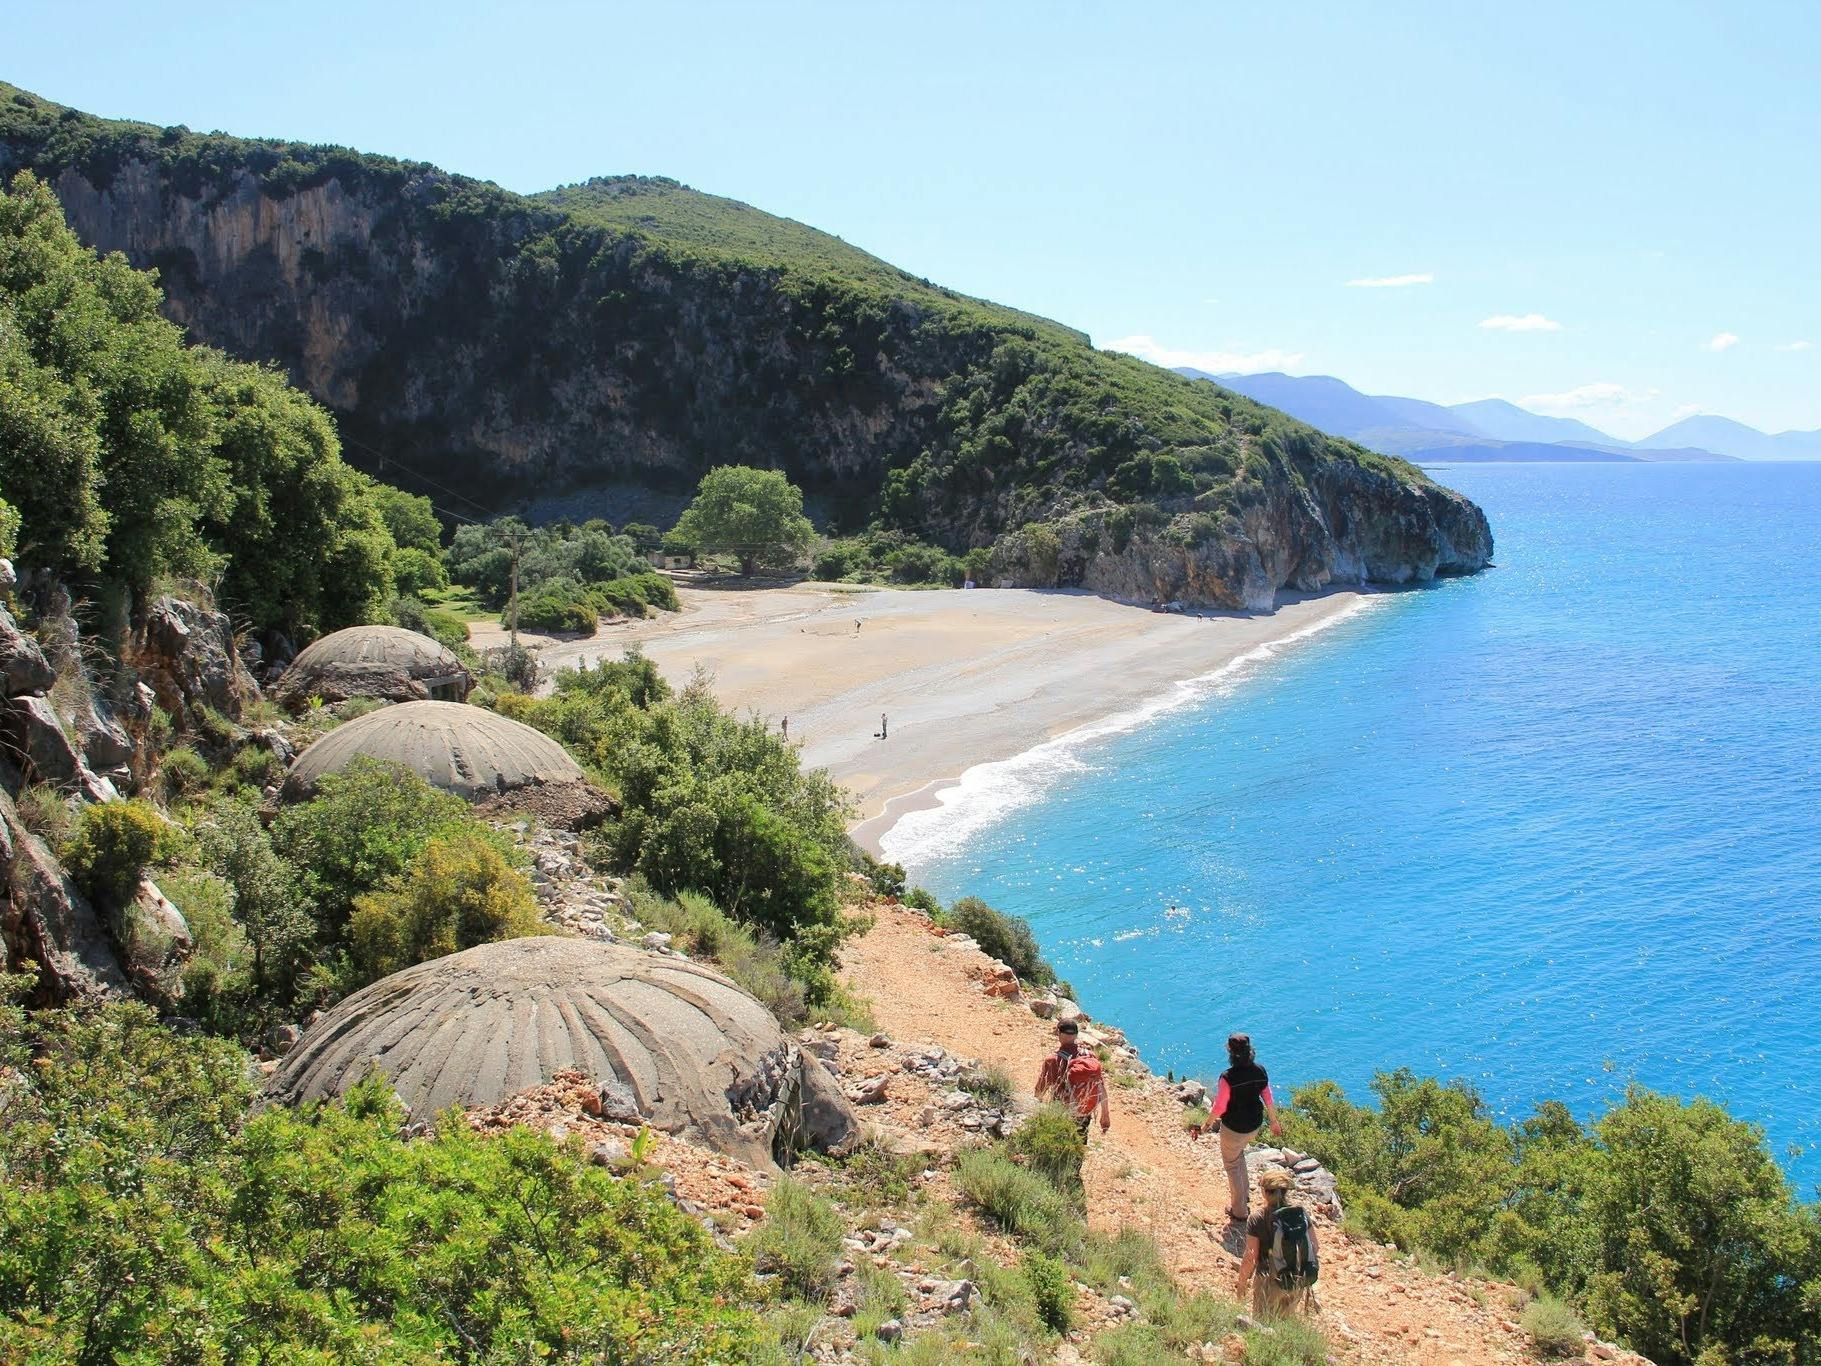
{"x":1549,"y":829}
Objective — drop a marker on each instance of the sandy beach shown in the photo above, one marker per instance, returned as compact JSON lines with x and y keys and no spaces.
{"x":961,"y":677}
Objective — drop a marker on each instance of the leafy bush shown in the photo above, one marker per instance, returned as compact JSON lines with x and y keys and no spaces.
{"x":47,"y":813}
{"x":480,"y":557}
{"x":183,"y":771}
{"x":1021,"y":1202}
{"x":365,"y":825}
{"x":799,"y":1240}
{"x":711,"y":804}
{"x":1553,"y":1328}
{"x":112,"y":846}
{"x":990,"y":1084}
{"x":1050,"y":1144}
{"x":1667,"y":1221}
{"x":1005,"y":937}
{"x":560,"y":605}
{"x":256,"y":767}
{"x":634,"y":595}
{"x":440,"y":624}
{"x":702,"y":929}
{"x":459,"y":891}
{"x":1052,"y":1287}
{"x":146,"y":1218}
{"x":415,"y":572}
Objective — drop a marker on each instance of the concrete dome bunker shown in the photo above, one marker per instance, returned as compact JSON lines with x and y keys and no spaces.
{"x":386,"y":662}
{"x":467,"y":750}
{"x":670,"y":1042}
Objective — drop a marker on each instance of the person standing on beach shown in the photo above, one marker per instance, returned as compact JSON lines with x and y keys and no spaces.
{"x":882,"y":731}
{"x":1074,"y":1077}
{"x":1241,"y":1102}
{"x":784,"y":729}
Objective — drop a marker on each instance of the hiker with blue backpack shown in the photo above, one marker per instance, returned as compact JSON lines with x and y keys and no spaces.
{"x":1282,"y":1259}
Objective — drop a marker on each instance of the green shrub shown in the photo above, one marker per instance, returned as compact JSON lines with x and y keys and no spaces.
{"x":144,"y":1217}
{"x":47,"y":813}
{"x":256,"y":767}
{"x":1005,"y":937}
{"x":459,"y":891}
{"x":440,"y":624}
{"x":183,"y":771}
{"x":112,"y":846}
{"x":1020,"y":1202}
{"x":416,"y":571}
{"x":269,"y":908}
{"x":1290,"y":1342}
{"x":1052,"y":1288}
{"x":364,"y":825}
{"x":1049,"y":1143}
{"x":1553,"y":1328}
{"x":799,"y":1240}
{"x":1133,"y":1344}
{"x":634,"y":594}
{"x":702,"y":929}
{"x":990,"y":1085}
{"x":561,"y":606}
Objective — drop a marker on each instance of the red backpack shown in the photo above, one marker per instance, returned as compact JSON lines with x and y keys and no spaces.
{"x":1080,"y":1075}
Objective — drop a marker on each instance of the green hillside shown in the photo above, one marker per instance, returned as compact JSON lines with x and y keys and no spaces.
{"x":634,"y":330}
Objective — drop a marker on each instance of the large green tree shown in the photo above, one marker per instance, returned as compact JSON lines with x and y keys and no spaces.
{"x":130,"y":456}
{"x":754,"y":514}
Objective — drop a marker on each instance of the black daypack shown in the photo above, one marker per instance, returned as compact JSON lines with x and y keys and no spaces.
{"x":1294,"y":1260}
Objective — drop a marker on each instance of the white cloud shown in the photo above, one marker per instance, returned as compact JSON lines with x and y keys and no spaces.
{"x":1215,"y":362}
{"x":1721,"y":340}
{"x":1528,"y":322}
{"x":1210,"y":300}
{"x":1683,"y":410}
{"x":1604,"y":396}
{"x":1391,"y":281}
{"x":1797,"y":346}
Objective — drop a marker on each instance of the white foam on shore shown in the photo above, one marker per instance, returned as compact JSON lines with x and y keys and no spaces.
{"x":989,"y":793}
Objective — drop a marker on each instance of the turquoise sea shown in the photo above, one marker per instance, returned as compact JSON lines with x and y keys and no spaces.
{"x":1548,"y":829}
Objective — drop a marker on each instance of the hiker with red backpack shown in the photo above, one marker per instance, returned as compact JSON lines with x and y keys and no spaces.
{"x":1282,"y":1259}
{"x":1074,"y":1077}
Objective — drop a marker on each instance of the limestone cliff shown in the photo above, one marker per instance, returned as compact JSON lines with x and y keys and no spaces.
{"x":634,"y":329}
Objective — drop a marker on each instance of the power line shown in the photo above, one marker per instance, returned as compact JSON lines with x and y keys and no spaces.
{"x":385,"y":459}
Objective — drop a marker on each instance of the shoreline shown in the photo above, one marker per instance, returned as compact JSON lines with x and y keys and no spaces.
{"x":968,"y":682}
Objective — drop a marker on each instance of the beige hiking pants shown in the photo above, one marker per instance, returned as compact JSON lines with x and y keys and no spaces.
{"x":1233,"y":1158}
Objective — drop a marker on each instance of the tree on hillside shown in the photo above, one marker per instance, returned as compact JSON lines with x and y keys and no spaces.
{"x":754,"y":514}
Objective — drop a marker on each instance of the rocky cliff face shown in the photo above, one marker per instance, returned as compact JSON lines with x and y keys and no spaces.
{"x":502,"y":345}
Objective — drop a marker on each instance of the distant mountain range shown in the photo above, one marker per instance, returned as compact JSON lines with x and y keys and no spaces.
{"x":1492,"y":429}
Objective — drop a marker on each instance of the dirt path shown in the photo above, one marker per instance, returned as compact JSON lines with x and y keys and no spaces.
{"x":1148,"y":1172}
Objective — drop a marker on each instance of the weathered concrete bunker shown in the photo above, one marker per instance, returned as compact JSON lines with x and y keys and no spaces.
{"x":671,"y":1043}
{"x":387,"y":662}
{"x":467,"y":750}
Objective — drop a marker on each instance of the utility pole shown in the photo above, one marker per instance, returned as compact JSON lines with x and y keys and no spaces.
{"x":512,"y":610}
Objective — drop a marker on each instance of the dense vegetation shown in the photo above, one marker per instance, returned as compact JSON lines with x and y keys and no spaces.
{"x":144,"y":1216}
{"x":130,"y":457}
{"x":638,"y":329}
{"x":710,"y":804}
{"x":1668,"y":1222}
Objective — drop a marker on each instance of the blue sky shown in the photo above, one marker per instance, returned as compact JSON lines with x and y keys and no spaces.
{"x":1606,"y":211}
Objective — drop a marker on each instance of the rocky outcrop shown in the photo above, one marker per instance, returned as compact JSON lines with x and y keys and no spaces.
{"x":36,"y":737}
{"x":1346,"y":526}
{"x":23,"y":667}
{"x":46,"y":921}
{"x":185,"y":654}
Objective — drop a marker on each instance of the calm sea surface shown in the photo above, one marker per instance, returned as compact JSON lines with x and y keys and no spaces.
{"x":1548,"y":829}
